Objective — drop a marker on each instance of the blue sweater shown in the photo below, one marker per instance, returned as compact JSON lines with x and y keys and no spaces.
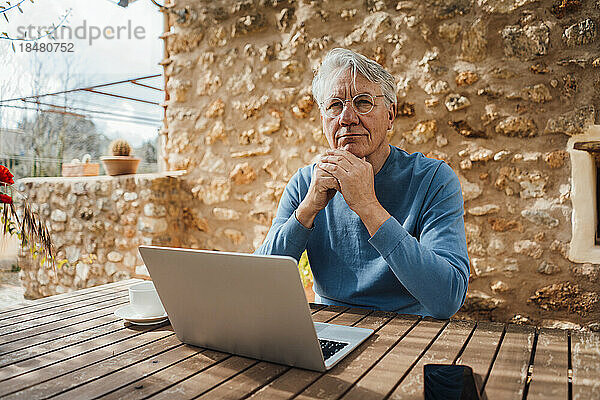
{"x":416,"y":263}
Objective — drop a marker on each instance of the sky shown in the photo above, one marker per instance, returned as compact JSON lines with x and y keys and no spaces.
{"x":109,"y":43}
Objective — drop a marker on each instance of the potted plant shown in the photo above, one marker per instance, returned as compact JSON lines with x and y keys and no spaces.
{"x":32,"y":232}
{"x":81,"y":168}
{"x":121,"y":162}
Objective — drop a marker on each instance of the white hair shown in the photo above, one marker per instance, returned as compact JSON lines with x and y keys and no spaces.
{"x":338,"y":61}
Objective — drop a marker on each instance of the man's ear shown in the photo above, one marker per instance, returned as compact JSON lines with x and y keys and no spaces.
{"x":391,"y":115}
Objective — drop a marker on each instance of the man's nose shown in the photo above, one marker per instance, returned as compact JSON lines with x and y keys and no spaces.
{"x":348,"y":115}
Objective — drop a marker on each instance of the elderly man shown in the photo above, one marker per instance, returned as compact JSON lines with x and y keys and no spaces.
{"x":383,"y":228}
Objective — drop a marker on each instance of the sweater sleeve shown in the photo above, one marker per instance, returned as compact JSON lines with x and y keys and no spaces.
{"x":287,"y":236}
{"x":433,"y":267}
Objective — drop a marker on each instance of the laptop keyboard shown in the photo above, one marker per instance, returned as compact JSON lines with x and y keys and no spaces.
{"x":330,"y":347}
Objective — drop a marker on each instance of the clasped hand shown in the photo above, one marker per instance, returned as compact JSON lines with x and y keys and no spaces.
{"x":353,"y":177}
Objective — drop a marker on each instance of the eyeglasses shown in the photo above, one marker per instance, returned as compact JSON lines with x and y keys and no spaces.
{"x":362,"y":103}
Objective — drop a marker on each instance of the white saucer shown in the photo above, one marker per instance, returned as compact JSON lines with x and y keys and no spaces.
{"x":128,"y":314}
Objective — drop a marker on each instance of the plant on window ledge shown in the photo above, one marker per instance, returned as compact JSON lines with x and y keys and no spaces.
{"x":28,"y":228}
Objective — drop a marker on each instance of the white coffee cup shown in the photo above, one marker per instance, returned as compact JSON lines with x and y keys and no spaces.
{"x":144,"y":300}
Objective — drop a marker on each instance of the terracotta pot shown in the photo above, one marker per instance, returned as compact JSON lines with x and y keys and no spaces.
{"x":120,"y":165}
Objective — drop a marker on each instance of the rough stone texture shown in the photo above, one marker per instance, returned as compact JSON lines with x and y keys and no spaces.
{"x":556,"y":159}
{"x":581,"y":33}
{"x":517,"y":127}
{"x":474,"y":44}
{"x":548,"y":268}
{"x":528,"y":42}
{"x":480,"y":301}
{"x":502,"y":6}
{"x":484,"y":210}
{"x":115,"y":215}
{"x":239,"y":81}
{"x":455,"y":102}
{"x":421,"y":133}
{"x":565,"y":295}
{"x":529,"y":248}
{"x":540,"y":217}
{"x":573,"y":122}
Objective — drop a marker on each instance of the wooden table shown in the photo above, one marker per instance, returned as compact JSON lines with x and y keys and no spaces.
{"x":71,"y":346}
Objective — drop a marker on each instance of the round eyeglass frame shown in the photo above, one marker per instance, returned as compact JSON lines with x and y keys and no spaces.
{"x":373,"y":97}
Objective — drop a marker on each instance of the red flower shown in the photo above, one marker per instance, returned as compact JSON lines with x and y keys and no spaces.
{"x":4,"y":198}
{"x":6,"y":176}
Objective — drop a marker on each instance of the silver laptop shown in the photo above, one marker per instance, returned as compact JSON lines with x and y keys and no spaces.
{"x":245,"y":304}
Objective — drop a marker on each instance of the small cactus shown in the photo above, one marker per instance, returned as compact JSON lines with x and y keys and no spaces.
{"x":120,"y":147}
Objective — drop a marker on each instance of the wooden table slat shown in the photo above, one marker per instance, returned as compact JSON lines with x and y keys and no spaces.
{"x":443,"y":351}
{"x":550,"y":367}
{"x":63,"y":315}
{"x":341,"y":377}
{"x":173,"y":373}
{"x":75,"y":339}
{"x":58,"y":309}
{"x":389,"y":370}
{"x":51,"y":365}
{"x":72,"y":346}
{"x":51,"y":322}
{"x":46,"y":301}
{"x":91,"y":321}
{"x":585,"y":360}
{"x":480,"y":350}
{"x":49,"y":308}
{"x":100,"y":378}
{"x":162,"y":378}
{"x":197,"y":384}
{"x":215,"y":375}
{"x":246,"y":383}
{"x":508,"y":375}
{"x":61,"y":385}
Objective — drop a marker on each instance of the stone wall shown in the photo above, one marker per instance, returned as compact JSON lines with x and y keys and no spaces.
{"x":493,"y":87}
{"x":96,"y":224}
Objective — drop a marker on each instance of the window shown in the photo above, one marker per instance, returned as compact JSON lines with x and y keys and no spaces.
{"x":585,"y":196}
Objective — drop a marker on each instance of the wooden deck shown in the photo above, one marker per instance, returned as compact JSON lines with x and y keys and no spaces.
{"x":71,"y":346}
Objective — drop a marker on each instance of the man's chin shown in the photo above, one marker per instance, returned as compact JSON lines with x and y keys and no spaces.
{"x":353,"y":148}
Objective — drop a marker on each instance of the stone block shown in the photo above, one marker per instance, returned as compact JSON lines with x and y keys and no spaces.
{"x":110,"y":268}
{"x":474,"y":42}
{"x":499,"y":287}
{"x":154,"y":210}
{"x":502,"y":6}
{"x":480,"y":301}
{"x":422,"y":132}
{"x":548,"y":268}
{"x":484,"y":210}
{"x":234,"y":235}
{"x":470,"y":190}
{"x":517,"y":126}
{"x":528,"y":248}
{"x":456,"y":102}
{"x":152,"y":225}
{"x":242,"y":174}
{"x":466,"y":78}
{"x":540,"y":217}
{"x":581,"y":33}
{"x":226,"y":214}
{"x":526,"y":42}
{"x":58,"y":216}
{"x":572,"y":123}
